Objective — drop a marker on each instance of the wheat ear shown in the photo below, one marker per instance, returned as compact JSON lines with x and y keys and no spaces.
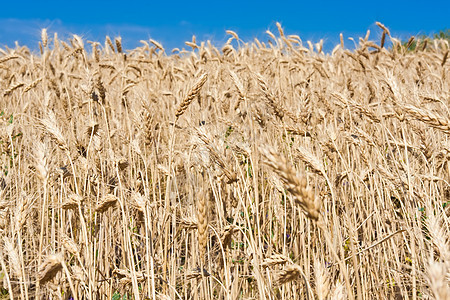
{"x":13,"y":257}
{"x":297,"y":186}
{"x":108,"y":201}
{"x":321,"y":279}
{"x":118,"y":41}
{"x":50,"y":267}
{"x":193,"y":92}
{"x":202,"y":212}
{"x":270,"y":98}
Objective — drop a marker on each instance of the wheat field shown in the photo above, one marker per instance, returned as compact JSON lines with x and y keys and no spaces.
{"x":256,"y":170}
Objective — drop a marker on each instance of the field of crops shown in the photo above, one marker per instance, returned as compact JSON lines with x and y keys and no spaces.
{"x":256,"y":170}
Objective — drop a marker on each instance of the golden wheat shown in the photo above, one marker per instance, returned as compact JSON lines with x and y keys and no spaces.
{"x":296,"y":173}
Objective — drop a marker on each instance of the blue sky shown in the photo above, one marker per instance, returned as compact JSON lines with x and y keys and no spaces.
{"x":173,"y":22}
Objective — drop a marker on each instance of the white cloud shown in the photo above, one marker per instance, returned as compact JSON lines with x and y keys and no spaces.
{"x":27,"y":32}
